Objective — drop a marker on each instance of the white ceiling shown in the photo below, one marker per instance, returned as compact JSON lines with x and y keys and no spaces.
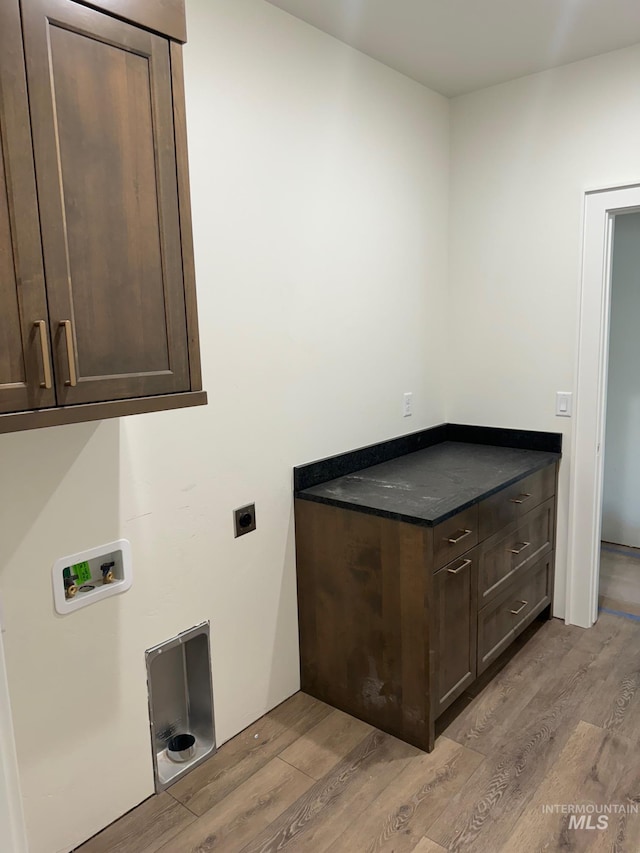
{"x":457,"y":46}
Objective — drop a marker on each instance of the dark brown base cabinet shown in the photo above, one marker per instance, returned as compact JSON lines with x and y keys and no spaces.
{"x":97,"y":290}
{"x":397,"y":620}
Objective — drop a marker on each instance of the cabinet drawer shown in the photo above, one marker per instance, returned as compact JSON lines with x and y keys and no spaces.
{"x":532,"y":595}
{"x":503,"y":558}
{"x":455,"y":536}
{"x":501,"y":621}
{"x":455,"y":618}
{"x":510,"y":504}
{"x":495,"y":632}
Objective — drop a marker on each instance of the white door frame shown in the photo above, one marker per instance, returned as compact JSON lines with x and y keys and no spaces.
{"x":12,"y":829}
{"x":587,"y":455}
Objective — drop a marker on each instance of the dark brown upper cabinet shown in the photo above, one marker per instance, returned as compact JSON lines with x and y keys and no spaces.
{"x":111,"y":326}
{"x":25,"y":366}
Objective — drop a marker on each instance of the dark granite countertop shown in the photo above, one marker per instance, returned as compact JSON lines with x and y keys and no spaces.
{"x":430,"y":485}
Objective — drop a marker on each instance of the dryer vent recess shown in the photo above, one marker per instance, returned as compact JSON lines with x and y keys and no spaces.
{"x":244,"y":519}
{"x":180,"y":704}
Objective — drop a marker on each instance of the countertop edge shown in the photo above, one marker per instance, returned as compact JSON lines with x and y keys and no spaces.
{"x":303,"y":494}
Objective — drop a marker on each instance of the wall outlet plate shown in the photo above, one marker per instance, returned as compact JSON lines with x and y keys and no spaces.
{"x":244,"y":519}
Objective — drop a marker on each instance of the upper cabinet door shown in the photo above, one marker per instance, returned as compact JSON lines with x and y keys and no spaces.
{"x":25,"y":366}
{"x":103,"y":136}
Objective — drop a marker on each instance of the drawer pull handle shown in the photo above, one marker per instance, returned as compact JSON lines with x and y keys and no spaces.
{"x":44,"y":346}
{"x":463,"y":565}
{"x":521,"y":608}
{"x":68,"y":333}
{"x":524,"y":496}
{"x":455,"y":539}
{"x":519,"y":550}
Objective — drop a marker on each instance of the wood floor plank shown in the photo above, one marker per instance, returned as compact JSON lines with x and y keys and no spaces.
{"x":245,"y":812}
{"x":623,"y":832}
{"x":480,"y":726}
{"x":323,"y":746}
{"x":246,"y":753}
{"x":616,"y":705}
{"x":560,"y":721}
{"x":481,"y":816}
{"x":585,"y":775}
{"x":401,"y":815}
{"x":619,"y":573}
{"x":319,"y":817}
{"x":144,"y":830}
{"x":618,"y":605}
{"x":532,"y":681}
{"x":326,"y":832}
{"x":426,"y":845}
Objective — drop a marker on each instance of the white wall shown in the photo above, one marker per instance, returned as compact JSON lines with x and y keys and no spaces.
{"x":621,"y":499}
{"x":320,"y":188}
{"x":523,"y":153}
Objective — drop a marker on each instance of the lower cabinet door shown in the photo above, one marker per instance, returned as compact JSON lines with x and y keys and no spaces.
{"x":455,"y":614}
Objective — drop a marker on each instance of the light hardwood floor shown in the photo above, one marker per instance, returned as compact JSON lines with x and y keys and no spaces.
{"x":620,"y":578}
{"x":559,"y":724}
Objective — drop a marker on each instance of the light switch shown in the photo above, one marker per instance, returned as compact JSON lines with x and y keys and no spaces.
{"x":407,"y":404}
{"x":564,"y":404}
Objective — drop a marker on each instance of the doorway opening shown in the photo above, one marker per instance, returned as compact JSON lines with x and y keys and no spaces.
{"x":603,"y":208}
{"x":619,"y":575}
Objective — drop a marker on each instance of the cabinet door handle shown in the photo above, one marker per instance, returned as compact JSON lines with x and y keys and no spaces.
{"x":71,"y":355}
{"x":521,"y":608}
{"x":455,"y":539}
{"x":519,"y":550}
{"x":463,"y":565}
{"x":44,"y":347}
{"x":524,"y":496}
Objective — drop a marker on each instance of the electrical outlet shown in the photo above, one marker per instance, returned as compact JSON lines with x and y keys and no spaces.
{"x":244,"y":519}
{"x":407,"y":404}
